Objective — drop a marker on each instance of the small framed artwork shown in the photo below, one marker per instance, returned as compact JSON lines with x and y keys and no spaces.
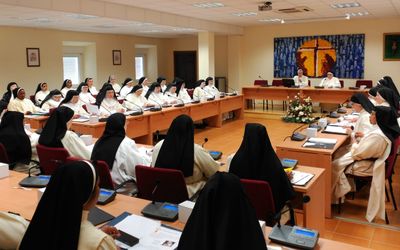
{"x":33,"y":57}
{"x":391,"y":47}
{"x":116,"y":54}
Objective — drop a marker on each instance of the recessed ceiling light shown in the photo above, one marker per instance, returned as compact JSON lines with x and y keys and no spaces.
{"x":208,"y":5}
{"x":244,"y":14}
{"x":39,"y":20}
{"x":80,"y":16}
{"x":272,"y":20}
{"x":150,"y":31}
{"x":345,"y":5}
{"x":106,"y":26}
{"x":282,"y":21}
{"x":358,"y":14}
{"x":185,"y":29}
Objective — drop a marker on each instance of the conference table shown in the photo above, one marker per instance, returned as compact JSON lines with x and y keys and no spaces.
{"x":326,"y":95}
{"x":314,"y":157}
{"x":24,"y":201}
{"x":142,"y":127}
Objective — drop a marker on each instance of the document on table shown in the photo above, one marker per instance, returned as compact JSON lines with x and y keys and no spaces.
{"x":335,"y":130}
{"x":323,"y":143}
{"x":80,"y":120}
{"x":300,"y":178}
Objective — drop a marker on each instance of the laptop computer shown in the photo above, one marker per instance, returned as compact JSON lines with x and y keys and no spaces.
{"x":288,"y":82}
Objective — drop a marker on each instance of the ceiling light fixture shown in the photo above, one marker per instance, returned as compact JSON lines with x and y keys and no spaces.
{"x":282,"y":21}
{"x":357,"y":14}
{"x":245,"y":14}
{"x":80,"y":16}
{"x":208,"y":5}
{"x":347,"y":17}
{"x":345,"y":5}
{"x":272,"y":20}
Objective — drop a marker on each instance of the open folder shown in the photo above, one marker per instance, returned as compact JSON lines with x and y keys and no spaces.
{"x":323,"y":143}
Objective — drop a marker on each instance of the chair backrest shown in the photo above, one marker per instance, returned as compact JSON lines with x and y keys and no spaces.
{"x":32,"y":98}
{"x":171,"y":186}
{"x":341,"y":83}
{"x":3,"y":154}
{"x":190,"y":92}
{"x":309,"y":83}
{"x":367,"y":83}
{"x":51,"y":158}
{"x":260,"y":82}
{"x":102,"y":170}
{"x":260,"y":196}
{"x":391,"y":160}
{"x":277,"y":82}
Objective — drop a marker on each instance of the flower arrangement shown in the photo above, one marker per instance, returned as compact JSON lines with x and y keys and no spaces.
{"x":299,"y":110}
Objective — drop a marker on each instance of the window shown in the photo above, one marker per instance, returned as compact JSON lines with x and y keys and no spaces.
{"x":139,"y":66}
{"x":71,"y":68}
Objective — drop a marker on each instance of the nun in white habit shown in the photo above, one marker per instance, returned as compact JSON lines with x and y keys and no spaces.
{"x":120,"y":152}
{"x":375,"y":145}
{"x":52,"y":100}
{"x":108,"y":102}
{"x":72,"y":101}
{"x":56,"y":134}
{"x":84,"y":95}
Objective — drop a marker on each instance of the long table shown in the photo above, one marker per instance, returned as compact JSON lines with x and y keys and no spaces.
{"x":143,"y":126}
{"x":314,"y":157}
{"x":24,"y":202}
{"x":326,"y":95}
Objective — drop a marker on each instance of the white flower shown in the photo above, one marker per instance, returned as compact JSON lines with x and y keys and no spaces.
{"x":301,"y":113}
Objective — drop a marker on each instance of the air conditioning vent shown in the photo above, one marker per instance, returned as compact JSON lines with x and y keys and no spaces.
{"x":298,"y":9}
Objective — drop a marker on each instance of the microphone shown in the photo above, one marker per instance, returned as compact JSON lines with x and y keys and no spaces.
{"x":205,"y":141}
{"x":210,"y":98}
{"x":290,"y":209}
{"x":106,"y":109}
{"x":153,"y":200}
{"x":234,"y":91}
{"x":179,"y":104}
{"x":261,"y":77}
{"x":138,"y":112}
{"x":153,"y":109}
{"x":296,"y":136}
{"x":35,"y":181}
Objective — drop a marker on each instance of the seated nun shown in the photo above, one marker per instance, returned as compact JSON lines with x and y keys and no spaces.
{"x":7,"y":96}
{"x":155,"y":96}
{"x":92,"y":88}
{"x":66,"y":86}
{"x":135,"y":100}
{"x":41,"y":93}
{"x":22,"y":104}
{"x":364,"y":107}
{"x":199,"y":94}
{"x":84,"y":95}
{"x":52,"y":100}
{"x":126,"y":87}
{"x":16,"y":141}
{"x":56,"y":134}
{"x":12,"y":229}
{"x":222,"y":218}
{"x":72,"y":101}
{"x":256,"y":160}
{"x":178,"y":151}
{"x":372,"y":93}
{"x":61,"y":217}
{"x":388,"y":98}
{"x":163,"y":83}
{"x":144,"y":82}
{"x":120,"y":152}
{"x":108,"y":102}
{"x":113,"y":81}
{"x":170,"y":94}
{"x":181,"y":91}
{"x":387,"y":81}
{"x":210,"y":87}
{"x":367,"y":158}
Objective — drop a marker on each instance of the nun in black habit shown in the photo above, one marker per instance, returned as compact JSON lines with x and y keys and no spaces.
{"x":256,"y":159}
{"x":222,"y":218}
{"x":60,"y":220}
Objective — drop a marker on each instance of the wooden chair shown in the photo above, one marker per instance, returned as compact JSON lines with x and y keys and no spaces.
{"x":367,"y":83}
{"x":51,"y":158}
{"x":260,"y":83}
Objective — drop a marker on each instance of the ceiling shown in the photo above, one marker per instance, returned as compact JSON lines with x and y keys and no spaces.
{"x":168,"y":18}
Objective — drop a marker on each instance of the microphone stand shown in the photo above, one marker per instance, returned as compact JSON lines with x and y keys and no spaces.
{"x":140,"y":108}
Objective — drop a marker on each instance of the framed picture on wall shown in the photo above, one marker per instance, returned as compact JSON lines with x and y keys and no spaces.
{"x":391,"y":47}
{"x":116,"y":55}
{"x":33,"y":57}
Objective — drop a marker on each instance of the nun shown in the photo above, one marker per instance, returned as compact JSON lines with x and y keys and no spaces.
{"x":155,"y":96}
{"x":145,"y":84}
{"x":7,"y":96}
{"x":199,"y":94}
{"x":390,"y":84}
{"x":181,"y":91}
{"x":372,"y":92}
{"x":388,"y":98}
{"x":52,"y":100}
{"x":41,"y":93}
{"x":22,"y":104}
{"x":256,"y":160}
{"x":120,"y":152}
{"x":222,"y":218}
{"x":84,"y":95}
{"x":170,"y":94}
{"x":15,"y":140}
{"x":135,"y":100}
{"x":163,"y":83}
{"x":56,"y":134}
{"x":12,"y":229}
{"x":108,"y":102}
{"x":92,"y":88}
{"x":210,"y":87}
{"x":62,"y":213}
{"x":360,"y":160}
{"x":363,"y":106}
{"x":72,"y":101}
{"x":113,"y":81}
{"x":66,"y":86}
{"x":126,"y":87}
{"x":178,"y":151}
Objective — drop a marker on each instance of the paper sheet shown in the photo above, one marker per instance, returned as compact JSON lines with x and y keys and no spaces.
{"x":334,"y":129}
{"x":322,"y":140}
{"x":300,"y":178}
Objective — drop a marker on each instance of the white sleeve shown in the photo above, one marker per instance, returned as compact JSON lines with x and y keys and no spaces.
{"x":75,"y":146}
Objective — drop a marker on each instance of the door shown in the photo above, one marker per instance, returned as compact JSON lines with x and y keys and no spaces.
{"x":185,"y":66}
